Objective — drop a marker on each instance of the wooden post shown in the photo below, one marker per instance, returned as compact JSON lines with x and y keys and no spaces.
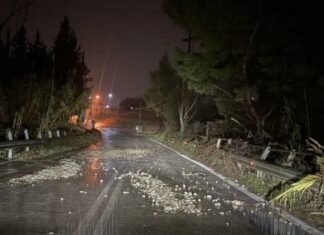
{"x":9,"y":154}
{"x":26,"y":134}
{"x":9,"y":134}
{"x":39,"y":135}
{"x":259,"y":174}
{"x":265,"y":153}
{"x":218,"y":144}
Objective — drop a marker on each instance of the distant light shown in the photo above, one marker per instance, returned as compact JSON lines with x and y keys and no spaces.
{"x":131,"y":108}
{"x":107,"y":106}
{"x":110,"y":95}
{"x":97,"y":97}
{"x":90,"y":97}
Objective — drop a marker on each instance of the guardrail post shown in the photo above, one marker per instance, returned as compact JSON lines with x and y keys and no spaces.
{"x":26,"y":134}
{"x":9,"y":154}
{"x":229,"y":142}
{"x":39,"y":135}
{"x":9,"y":134}
{"x":58,"y":135}
{"x":218,"y":144}
{"x":64,"y":133}
{"x":49,"y":134}
{"x":27,"y":149}
{"x":265,"y":153}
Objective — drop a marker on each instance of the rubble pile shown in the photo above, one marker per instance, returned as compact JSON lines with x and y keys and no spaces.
{"x":67,"y":168}
{"x":163,"y":196}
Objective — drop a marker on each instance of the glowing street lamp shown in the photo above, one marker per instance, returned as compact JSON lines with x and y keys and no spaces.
{"x":107,"y":106}
{"x":97,"y":97}
{"x":110,"y":95}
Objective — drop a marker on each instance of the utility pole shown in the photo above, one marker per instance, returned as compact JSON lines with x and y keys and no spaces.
{"x":189,"y":40}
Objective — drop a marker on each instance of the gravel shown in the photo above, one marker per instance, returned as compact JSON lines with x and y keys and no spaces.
{"x":128,"y":153}
{"x":67,"y":168}
{"x":162,"y":195}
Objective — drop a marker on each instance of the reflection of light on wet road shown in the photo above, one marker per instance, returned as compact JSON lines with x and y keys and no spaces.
{"x":92,"y":170}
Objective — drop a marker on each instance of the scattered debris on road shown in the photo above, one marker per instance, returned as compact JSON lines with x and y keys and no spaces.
{"x":162,"y":195}
{"x":67,"y":168}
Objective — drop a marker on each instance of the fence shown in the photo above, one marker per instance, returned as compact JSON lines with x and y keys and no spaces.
{"x":39,"y":138}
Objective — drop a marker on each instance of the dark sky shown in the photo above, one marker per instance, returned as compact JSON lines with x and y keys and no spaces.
{"x":135,"y":33}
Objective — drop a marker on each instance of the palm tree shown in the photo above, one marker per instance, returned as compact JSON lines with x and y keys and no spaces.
{"x":298,"y":189}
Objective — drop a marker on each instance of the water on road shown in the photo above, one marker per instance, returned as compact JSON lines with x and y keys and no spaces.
{"x":128,"y":185}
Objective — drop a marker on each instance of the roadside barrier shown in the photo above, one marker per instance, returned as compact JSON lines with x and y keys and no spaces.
{"x":10,"y":144}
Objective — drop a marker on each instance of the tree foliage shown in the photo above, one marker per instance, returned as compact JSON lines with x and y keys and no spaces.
{"x":170,"y":97}
{"x":40,"y":86}
{"x":162,"y":96}
{"x":254,"y":57}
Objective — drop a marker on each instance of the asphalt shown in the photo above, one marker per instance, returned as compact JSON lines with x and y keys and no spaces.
{"x":102,"y":198}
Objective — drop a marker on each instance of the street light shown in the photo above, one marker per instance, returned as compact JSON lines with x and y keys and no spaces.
{"x":98,"y":97}
{"x":107,"y":106}
{"x":110,"y":95}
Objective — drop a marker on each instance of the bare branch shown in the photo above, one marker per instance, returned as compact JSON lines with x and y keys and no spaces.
{"x":14,"y":11}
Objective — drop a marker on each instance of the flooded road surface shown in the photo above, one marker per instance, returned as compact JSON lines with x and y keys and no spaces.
{"x":129,"y":185}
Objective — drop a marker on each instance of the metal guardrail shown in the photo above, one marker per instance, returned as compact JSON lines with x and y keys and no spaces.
{"x":19,"y":143}
{"x":11,"y":143}
{"x":270,"y":169}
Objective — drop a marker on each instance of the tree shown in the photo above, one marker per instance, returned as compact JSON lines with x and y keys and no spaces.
{"x":30,"y":93}
{"x":15,"y":9}
{"x":162,"y":96}
{"x":170,"y":97}
{"x":254,"y":55}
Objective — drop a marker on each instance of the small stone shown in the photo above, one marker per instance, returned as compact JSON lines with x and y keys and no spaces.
{"x":70,"y":212}
{"x":61,"y":199}
{"x":101,"y":181}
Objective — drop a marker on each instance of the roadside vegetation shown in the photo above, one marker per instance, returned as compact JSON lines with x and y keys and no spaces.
{"x":41,"y":86}
{"x":251,"y":72}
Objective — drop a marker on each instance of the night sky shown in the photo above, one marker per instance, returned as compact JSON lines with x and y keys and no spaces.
{"x":135,"y":33}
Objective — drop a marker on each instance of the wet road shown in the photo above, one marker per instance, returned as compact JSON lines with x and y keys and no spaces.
{"x":129,"y":185}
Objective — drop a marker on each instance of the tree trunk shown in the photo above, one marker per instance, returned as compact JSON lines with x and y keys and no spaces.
{"x":183,"y":125}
